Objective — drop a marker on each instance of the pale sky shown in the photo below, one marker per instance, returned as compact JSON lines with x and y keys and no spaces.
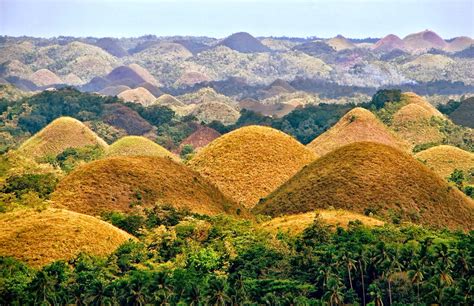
{"x":220,"y":18}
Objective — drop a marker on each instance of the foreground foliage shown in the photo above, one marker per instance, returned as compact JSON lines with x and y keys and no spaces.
{"x":221,"y":261}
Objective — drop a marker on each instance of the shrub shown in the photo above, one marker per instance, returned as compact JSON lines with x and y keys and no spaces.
{"x":42,"y":184}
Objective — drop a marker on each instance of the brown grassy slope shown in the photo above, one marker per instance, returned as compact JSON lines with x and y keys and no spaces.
{"x":114,"y":183}
{"x":464,"y":114}
{"x":125,"y":118}
{"x":39,"y":238}
{"x":295,"y":224}
{"x":200,"y":138}
{"x":357,"y":125}
{"x":62,"y":133}
{"x":444,"y":159}
{"x":413,"y":121}
{"x":215,"y":110}
{"x":249,"y":163}
{"x":373,"y":176}
{"x":44,"y":77}
{"x":137,"y":95}
{"x":137,"y":146}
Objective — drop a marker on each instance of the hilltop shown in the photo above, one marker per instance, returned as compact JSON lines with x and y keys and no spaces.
{"x":200,"y":138}
{"x":339,"y":43}
{"x":464,"y":114}
{"x":295,"y":224}
{"x":41,"y":237}
{"x":373,"y":178}
{"x":244,"y":43}
{"x":389,"y":43}
{"x":357,"y":125}
{"x":62,"y":133}
{"x":137,"y":146}
{"x":445,"y":159}
{"x":44,"y":77}
{"x":130,"y":184}
{"x":423,"y":41}
{"x":215,"y":110}
{"x":138,"y":95}
{"x":250,"y":162}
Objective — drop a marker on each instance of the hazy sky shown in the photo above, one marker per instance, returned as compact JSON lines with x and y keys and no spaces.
{"x":219,"y":18}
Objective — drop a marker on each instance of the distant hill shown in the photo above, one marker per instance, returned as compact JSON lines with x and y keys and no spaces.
{"x":445,"y":159}
{"x":200,"y":138}
{"x":112,"y":46}
{"x":44,"y":77}
{"x":459,"y":44}
{"x":357,"y":125}
{"x":389,"y":43}
{"x":125,"y":118}
{"x":423,"y":41}
{"x":215,"y":110}
{"x":129,"y":184}
{"x":372,"y":178}
{"x":138,"y":146}
{"x":244,"y":42}
{"x":62,"y":133}
{"x":138,"y":95}
{"x":250,"y":162}
{"x":464,"y":114}
{"x":339,"y":43}
{"x":41,"y":237}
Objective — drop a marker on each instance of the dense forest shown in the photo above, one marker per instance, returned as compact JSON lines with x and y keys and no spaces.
{"x":184,"y":259}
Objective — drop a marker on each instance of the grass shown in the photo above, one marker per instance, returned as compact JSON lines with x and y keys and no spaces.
{"x":372,"y":178}
{"x":249,"y":163}
{"x":444,"y":159}
{"x":200,"y":138}
{"x":215,"y":110}
{"x":62,"y":133}
{"x":138,"y":95}
{"x":138,"y":146}
{"x":357,"y":125}
{"x":41,"y":237}
{"x":295,"y":224}
{"x":129,"y":184}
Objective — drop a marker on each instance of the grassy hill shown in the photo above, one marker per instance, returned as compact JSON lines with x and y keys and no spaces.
{"x":137,"y":146}
{"x":357,"y":125}
{"x":39,"y":238}
{"x":372,"y":178}
{"x":244,"y":42}
{"x":62,"y":133}
{"x":138,"y":95}
{"x":464,"y":114}
{"x":295,"y":224}
{"x":130,"y":183}
{"x":444,"y":159}
{"x":250,"y":162}
{"x":200,"y":138}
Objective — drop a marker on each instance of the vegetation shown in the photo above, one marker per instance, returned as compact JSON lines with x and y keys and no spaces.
{"x":130,"y":184}
{"x":373,"y":179}
{"x":224,"y":261}
{"x":250,"y":162}
{"x":137,"y":146}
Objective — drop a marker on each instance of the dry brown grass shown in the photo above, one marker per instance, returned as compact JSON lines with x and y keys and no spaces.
{"x":45,"y":77}
{"x":200,"y":138}
{"x":249,"y":163}
{"x":39,"y":238}
{"x":357,"y":125}
{"x":130,"y":183}
{"x":138,"y":95}
{"x":295,"y":224}
{"x":413,"y":123}
{"x":138,"y":146}
{"x":62,"y":133}
{"x":444,"y":159}
{"x":369,"y":176}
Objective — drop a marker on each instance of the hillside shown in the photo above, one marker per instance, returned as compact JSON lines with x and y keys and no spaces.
{"x":339,"y":43}
{"x":129,"y":184}
{"x":215,"y":110}
{"x":132,"y":75}
{"x":138,"y":146}
{"x":44,"y":77}
{"x":62,"y":133}
{"x":389,"y":43}
{"x":445,"y":159}
{"x":39,"y":238}
{"x":459,"y":44}
{"x":413,"y":122}
{"x":464,"y":114}
{"x":137,"y":95}
{"x":368,"y":177}
{"x":244,"y":43}
{"x":125,"y":118}
{"x":250,"y":162}
{"x":295,"y":224}
{"x":357,"y":125}
{"x":423,"y":41}
{"x":200,"y":138}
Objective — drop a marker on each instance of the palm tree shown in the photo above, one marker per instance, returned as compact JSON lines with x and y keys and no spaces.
{"x":350,"y":265}
{"x":96,"y":294}
{"x":334,"y":293}
{"x":217,"y":292}
{"x":417,"y":277}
